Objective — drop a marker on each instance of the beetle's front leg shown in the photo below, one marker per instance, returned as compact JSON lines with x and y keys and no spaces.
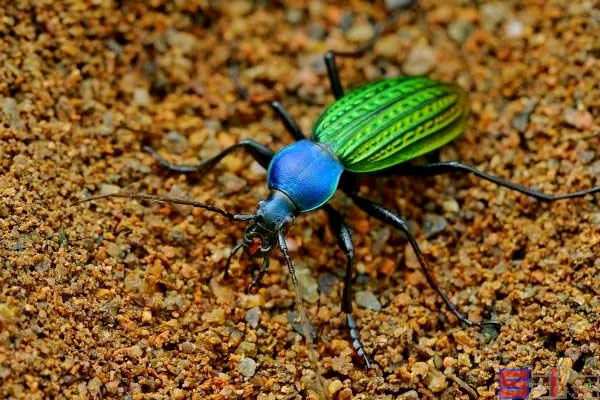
{"x":342,"y":232}
{"x":260,"y":153}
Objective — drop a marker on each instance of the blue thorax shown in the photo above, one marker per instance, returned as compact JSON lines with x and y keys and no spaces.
{"x":306,"y":172}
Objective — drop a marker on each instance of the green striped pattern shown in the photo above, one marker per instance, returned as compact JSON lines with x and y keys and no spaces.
{"x":391,"y":121}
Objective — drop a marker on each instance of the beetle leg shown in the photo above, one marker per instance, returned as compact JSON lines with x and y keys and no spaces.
{"x":261,"y":273}
{"x":388,"y":217}
{"x":342,"y":232}
{"x":455,"y":166}
{"x":289,"y":123}
{"x":334,"y":75}
{"x":228,"y":263}
{"x":260,"y":153}
{"x":332,"y":69}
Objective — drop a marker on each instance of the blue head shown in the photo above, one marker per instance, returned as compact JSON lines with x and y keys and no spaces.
{"x":272,"y":218}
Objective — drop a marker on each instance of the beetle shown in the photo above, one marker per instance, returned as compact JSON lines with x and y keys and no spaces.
{"x":373,"y":129}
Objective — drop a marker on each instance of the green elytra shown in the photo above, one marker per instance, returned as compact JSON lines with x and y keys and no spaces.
{"x":391,"y":121}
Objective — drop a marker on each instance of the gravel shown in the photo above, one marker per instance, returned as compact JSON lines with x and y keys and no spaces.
{"x":118,"y":308}
{"x":367,"y":300}
{"x":247,"y":367}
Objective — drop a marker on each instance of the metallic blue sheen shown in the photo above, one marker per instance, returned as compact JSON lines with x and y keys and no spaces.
{"x":306,"y":172}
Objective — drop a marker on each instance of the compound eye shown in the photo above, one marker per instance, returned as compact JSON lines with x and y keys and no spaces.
{"x":254,"y":246}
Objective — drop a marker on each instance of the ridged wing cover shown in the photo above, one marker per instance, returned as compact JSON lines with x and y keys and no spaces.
{"x":391,"y":121}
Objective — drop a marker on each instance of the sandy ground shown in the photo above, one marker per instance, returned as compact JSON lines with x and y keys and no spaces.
{"x":125,"y":299}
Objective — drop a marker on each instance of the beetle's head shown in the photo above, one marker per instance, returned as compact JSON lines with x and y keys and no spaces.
{"x":273,"y":216}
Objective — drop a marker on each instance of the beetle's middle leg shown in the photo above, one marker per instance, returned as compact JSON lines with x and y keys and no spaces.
{"x":342,"y":232}
{"x":260,"y":153}
{"x":388,"y":217}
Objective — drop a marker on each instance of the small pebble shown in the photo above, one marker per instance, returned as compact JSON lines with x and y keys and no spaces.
{"x":335,"y":386}
{"x":176,"y":142}
{"x":514,"y":29}
{"x":579,"y":119}
{"x":345,"y":394}
{"x":216,"y":315}
{"x":388,"y":46}
{"x":460,"y":30}
{"x":367,"y":300}
{"x":580,"y":326}
{"x":433,"y":224}
{"x":420,"y":60}
{"x":183,"y":41}
{"x":108,"y":124}
{"x":10,"y":109}
{"x":419,"y":368}
{"x":113,"y":249}
{"x":247,"y":367}
{"x":188,"y":347}
{"x":294,"y":15}
{"x":252,"y":316}
{"x":292,"y":317}
{"x":112,"y":386}
{"x":360,"y":33}
{"x":347,"y":20}
{"x":521,"y":121}
{"x":464,"y":360}
{"x":587,"y":156}
{"x":316,"y":31}
{"x":410,"y":395}
{"x":135,"y":352}
{"x":492,"y":13}
{"x":395,"y":4}
{"x":326,"y":282}
{"x":591,"y":362}
{"x":93,"y":386}
{"x":107,"y":188}
{"x":232,"y":183}
{"x":595,"y":218}
{"x":247,"y":349}
{"x":449,"y":393}
{"x":410,"y":258}
{"x":308,"y":284}
{"x":573,"y":353}
{"x":141,"y":97}
{"x":380,"y":240}
{"x":114,"y":47}
{"x":6,"y":313}
{"x":146,"y":316}
{"x":450,"y":206}
{"x":436,"y":381}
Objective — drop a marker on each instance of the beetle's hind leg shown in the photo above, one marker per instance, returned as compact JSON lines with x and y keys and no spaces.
{"x":388,"y":217}
{"x":260,"y":153}
{"x":341,"y":231}
{"x":455,"y":166}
